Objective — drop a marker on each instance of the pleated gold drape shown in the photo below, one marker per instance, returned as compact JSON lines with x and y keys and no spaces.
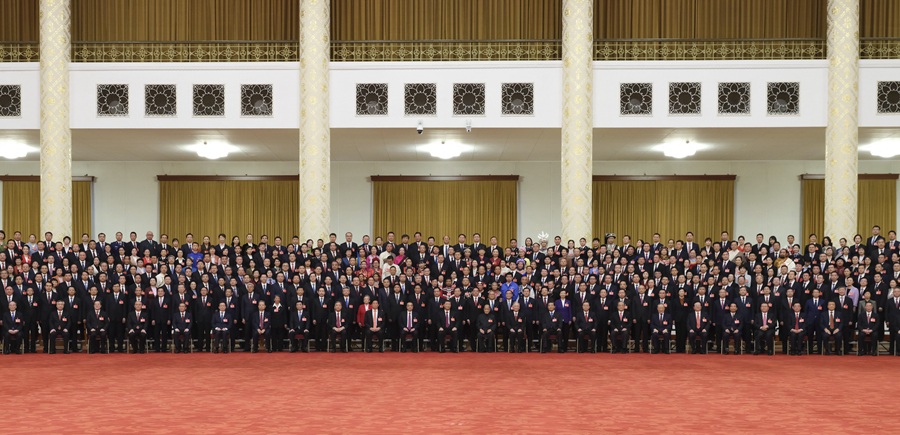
{"x":355,"y":20}
{"x":671,"y":208}
{"x":710,"y":19}
{"x":877,"y":198}
{"x":373,"y":20}
{"x":22,"y":208}
{"x":439,"y":208}
{"x":207,"y":208}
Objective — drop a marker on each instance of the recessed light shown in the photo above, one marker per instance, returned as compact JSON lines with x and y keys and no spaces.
{"x":445,"y":150}
{"x":15,"y":150}
{"x":886,"y":148}
{"x":680,"y":150}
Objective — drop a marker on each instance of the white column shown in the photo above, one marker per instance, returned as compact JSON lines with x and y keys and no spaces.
{"x":577,"y":119}
{"x":842,"y":133}
{"x":315,"y":130}
{"x":56,"y":138}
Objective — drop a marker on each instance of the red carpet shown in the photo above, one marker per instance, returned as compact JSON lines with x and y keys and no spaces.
{"x":447,"y":393}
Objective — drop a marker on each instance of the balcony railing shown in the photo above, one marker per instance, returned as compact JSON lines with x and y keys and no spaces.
{"x":442,"y":50}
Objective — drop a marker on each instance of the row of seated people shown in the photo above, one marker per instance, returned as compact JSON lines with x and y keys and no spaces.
{"x":525,"y":323}
{"x":535,"y":276}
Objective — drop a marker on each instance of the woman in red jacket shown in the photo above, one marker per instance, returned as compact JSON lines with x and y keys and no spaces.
{"x":361,"y":313}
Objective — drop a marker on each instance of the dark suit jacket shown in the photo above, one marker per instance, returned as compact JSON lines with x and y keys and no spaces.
{"x":583,"y":323}
{"x":220,"y":323}
{"x":733,"y":323}
{"x":516,"y":322}
{"x":486,"y":323}
{"x":253,"y":321}
{"x":94,"y":321}
{"x":692,"y":322}
{"x":135,"y":322}
{"x":10,"y":325}
{"x":372,"y":322}
{"x":770,"y":321}
{"x":840,"y":322}
{"x":664,"y":325}
{"x":863,"y":322}
{"x":299,"y":322}
{"x":616,"y":323}
{"x":182,"y":324}
{"x":455,"y":321}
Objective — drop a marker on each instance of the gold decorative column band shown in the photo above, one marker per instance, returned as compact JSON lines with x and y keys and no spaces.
{"x":56,"y":138}
{"x":577,"y":118}
{"x":842,"y":132}
{"x":315,"y":130}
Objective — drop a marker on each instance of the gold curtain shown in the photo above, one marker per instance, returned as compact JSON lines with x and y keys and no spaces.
{"x":19,"y":21}
{"x":22,"y":208}
{"x":207,"y":208}
{"x":710,"y":19}
{"x":439,"y":208}
{"x":181,"y":20}
{"x":406,"y":20}
{"x":813,"y":202}
{"x":877,"y":199}
{"x":671,"y":208}
{"x":879,"y":19}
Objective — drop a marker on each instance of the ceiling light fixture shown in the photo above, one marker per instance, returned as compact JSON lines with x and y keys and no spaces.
{"x":14,"y":150}
{"x":213,"y":151}
{"x":885,"y":148}
{"x":679,"y":150}
{"x":444,"y":150}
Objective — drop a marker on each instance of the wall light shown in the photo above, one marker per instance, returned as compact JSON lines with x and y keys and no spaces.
{"x":886,"y":148}
{"x":444,"y":150}
{"x":15,"y":150}
{"x":213,"y":151}
{"x":680,"y":150}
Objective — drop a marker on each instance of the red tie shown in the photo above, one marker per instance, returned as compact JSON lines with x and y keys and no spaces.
{"x":698,"y":320}
{"x":338,"y":316}
{"x":409,"y":321}
{"x":448,"y":318}
{"x":764,"y":319}
{"x":797,"y":321}
{"x":261,"y":319}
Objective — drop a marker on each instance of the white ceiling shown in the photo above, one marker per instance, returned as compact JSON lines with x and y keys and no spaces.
{"x":487,"y":144}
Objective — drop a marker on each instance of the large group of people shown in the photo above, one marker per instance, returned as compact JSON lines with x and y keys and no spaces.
{"x":412,"y":294}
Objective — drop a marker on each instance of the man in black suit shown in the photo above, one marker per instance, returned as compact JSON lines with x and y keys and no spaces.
{"x":149,"y":245}
{"x":278,"y":325}
{"x":619,"y":325}
{"x":831,"y":325}
{"x":486,"y":326}
{"x":448,"y":324}
{"x":320,"y":312}
{"x":160,"y":321}
{"x":97,"y":325}
{"x":60,"y":323}
{"x":585,"y":328}
{"x":12,"y":329}
{"x":796,"y":324}
{"x":260,"y":325}
{"x":30,"y":312}
{"x":515,"y":329}
{"x":118,"y":312}
{"x":337,"y":328}
{"x":764,"y":324}
{"x":298,"y":328}
{"x":136,"y":326}
{"x":202,"y":315}
{"x":181,"y":329}
{"x":551,"y":319}
{"x":661,"y":329}
{"x":892,"y":319}
{"x":374,"y":327}
{"x":221,"y":326}
{"x":698,"y":329}
{"x":866,"y":325}
{"x":732,"y":328}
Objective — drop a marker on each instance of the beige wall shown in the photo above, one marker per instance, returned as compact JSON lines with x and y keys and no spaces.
{"x":767,"y":193}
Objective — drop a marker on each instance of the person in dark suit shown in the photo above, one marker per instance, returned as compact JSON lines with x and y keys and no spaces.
{"x":97,"y":323}
{"x":181,"y":329}
{"x":797,"y":327}
{"x":698,"y":329}
{"x":202,"y":315}
{"x":619,"y":325}
{"x":374,"y":327}
{"x":585,"y":328}
{"x":118,"y":312}
{"x":337,"y":328}
{"x":12,"y":329}
{"x":786,"y":318}
{"x":661,"y":330}
{"x":764,"y":325}
{"x":448,"y":327}
{"x":813,"y":310}
{"x":564,"y":306}
{"x":221,"y":329}
{"x":732,"y":328}
{"x":298,"y":328}
{"x":278,"y":327}
{"x":319,"y":313}
{"x":136,"y":326}
{"x":60,"y":323}
{"x":410,"y":327}
{"x":30,"y":312}
{"x":260,"y":324}
{"x":641,"y":312}
{"x":487,"y":329}
{"x":160,"y":321}
{"x":831,"y":324}
{"x":892,"y":320}
{"x":516,"y":328}
{"x":551,"y":321}
{"x":866,"y":325}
